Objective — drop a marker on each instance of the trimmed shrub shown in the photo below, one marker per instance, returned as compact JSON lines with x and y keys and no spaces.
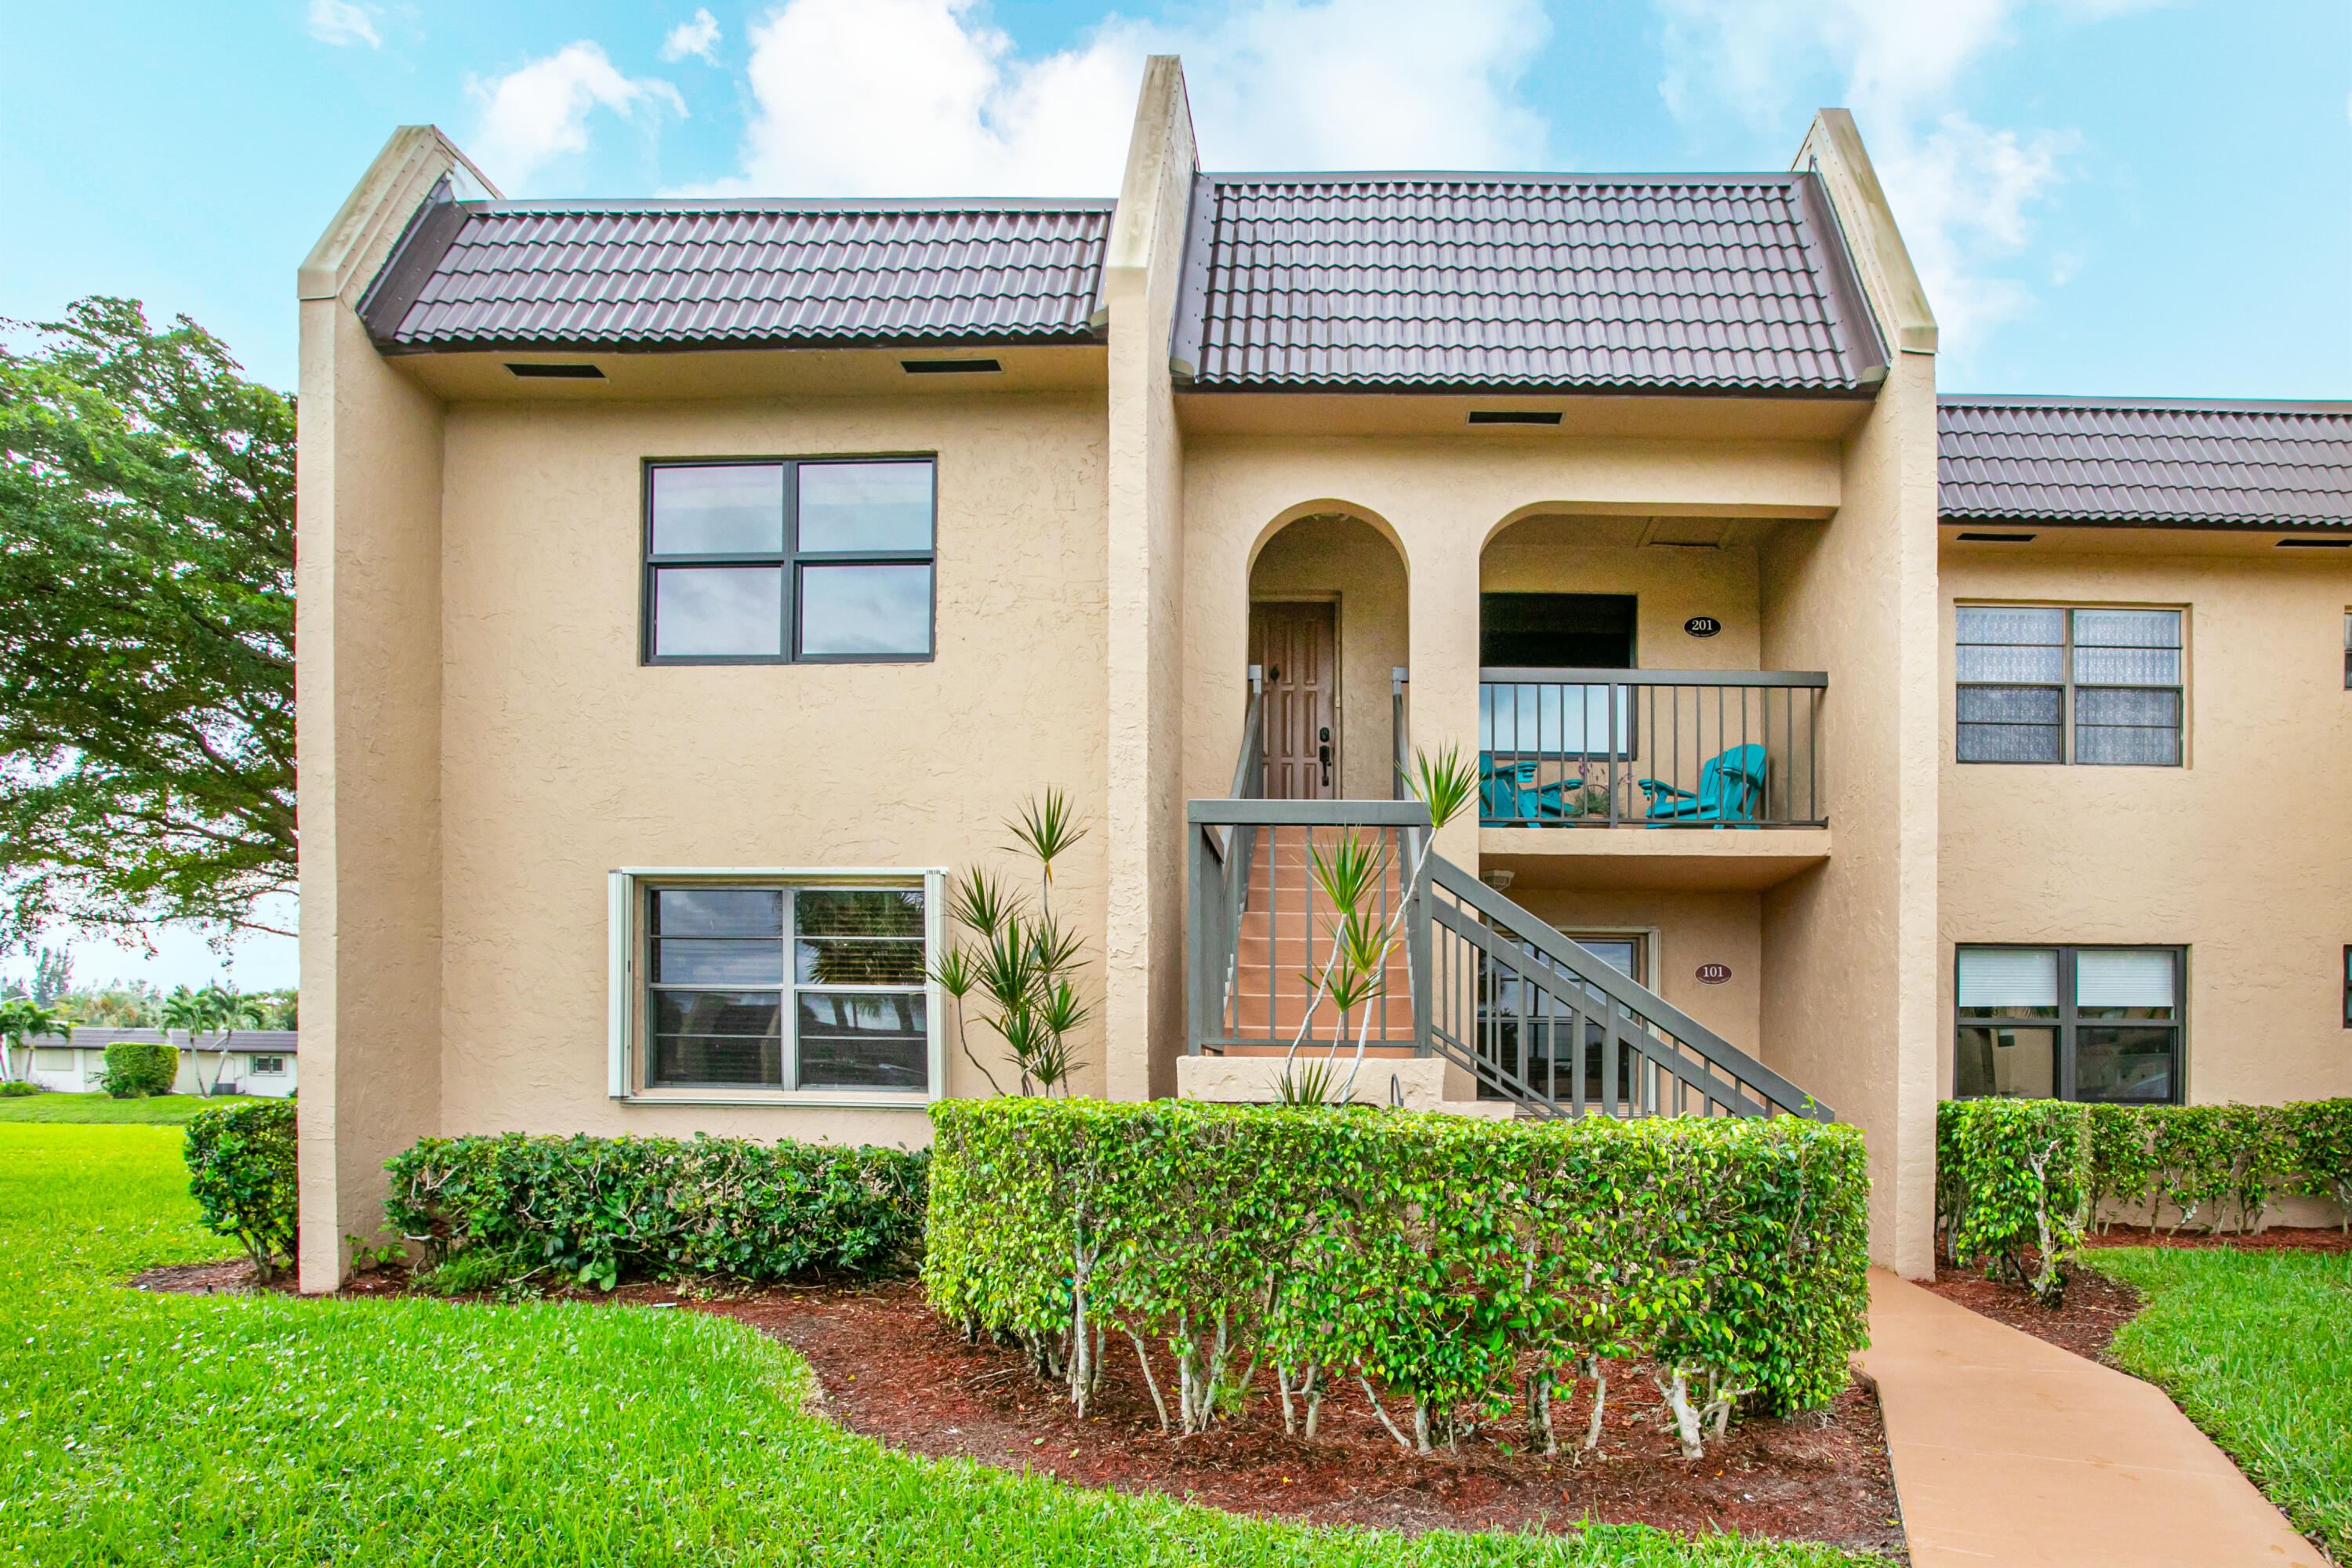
{"x":2316,"y":1138}
{"x":1454,"y":1261}
{"x":135,"y":1069}
{"x":17,"y":1088}
{"x":2014,"y":1177}
{"x":593,"y":1209}
{"x":241,"y":1173}
{"x":2215,"y":1165}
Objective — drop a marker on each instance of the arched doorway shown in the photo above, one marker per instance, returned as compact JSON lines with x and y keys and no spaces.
{"x":1328,"y":630}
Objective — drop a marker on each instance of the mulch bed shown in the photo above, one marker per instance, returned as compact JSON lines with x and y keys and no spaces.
{"x":892,"y":1370}
{"x":2097,"y":1307}
{"x":2277,"y":1238}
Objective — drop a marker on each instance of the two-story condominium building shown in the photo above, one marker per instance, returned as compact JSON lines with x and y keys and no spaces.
{"x":690,"y":590}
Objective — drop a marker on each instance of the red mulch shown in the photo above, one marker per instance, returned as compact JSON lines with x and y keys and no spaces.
{"x":2095,"y":1308}
{"x":891,"y":1369}
{"x":2277,"y":1238}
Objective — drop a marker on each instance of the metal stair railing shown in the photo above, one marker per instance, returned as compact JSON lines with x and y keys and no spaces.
{"x":1225,"y":834}
{"x":1542,"y":1020}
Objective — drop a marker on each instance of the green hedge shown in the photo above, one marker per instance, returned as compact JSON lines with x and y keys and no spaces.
{"x":596,"y":1208}
{"x":136,"y":1069}
{"x":241,"y":1173}
{"x":2013,"y":1183}
{"x":2024,"y":1177}
{"x":1455,"y":1262}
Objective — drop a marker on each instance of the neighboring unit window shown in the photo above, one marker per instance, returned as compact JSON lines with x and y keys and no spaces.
{"x":270,"y":1067}
{"x":2069,"y":685}
{"x":750,"y":562}
{"x":2348,"y":987}
{"x":2068,"y":1023}
{"x":786,"y":988}
{"x":2348,"y":650}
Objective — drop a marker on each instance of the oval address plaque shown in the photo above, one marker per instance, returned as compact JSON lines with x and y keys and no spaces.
{"x":1713,"y":973}
{"x":1702,"y":625}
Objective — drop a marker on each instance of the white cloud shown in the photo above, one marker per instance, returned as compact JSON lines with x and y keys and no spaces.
{"x":539,"y":110}
{"x":1963,"y":192}
{"x":341,"y":22}
{"x":698,"y":37}
{"x":921,"y":96}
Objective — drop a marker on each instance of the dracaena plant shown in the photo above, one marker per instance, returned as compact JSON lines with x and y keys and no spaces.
{"x":1350,"y":874}
{"x":1019,"y":966}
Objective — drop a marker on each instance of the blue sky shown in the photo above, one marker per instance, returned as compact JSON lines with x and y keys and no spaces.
{"x":2106,"y":196}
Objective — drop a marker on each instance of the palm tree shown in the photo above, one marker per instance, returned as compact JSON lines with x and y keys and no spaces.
{"x":20,"y":1018}
{"x":216,"y":1007}
{"x":185,"y":1009}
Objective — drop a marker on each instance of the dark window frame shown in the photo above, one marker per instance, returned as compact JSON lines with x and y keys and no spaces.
{"x":2069,"y":1019}
{"x":2067,"y":685}
{"x":788,"y":990}
{"x":2347,"y":679}
{"x":2347,"y":985}
{"x":790,"y":560}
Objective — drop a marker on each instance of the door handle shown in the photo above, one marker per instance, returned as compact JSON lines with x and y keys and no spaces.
{"x":1324,"y":756}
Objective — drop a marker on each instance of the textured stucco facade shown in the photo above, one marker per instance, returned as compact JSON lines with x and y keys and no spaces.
{"x":483,"y":745}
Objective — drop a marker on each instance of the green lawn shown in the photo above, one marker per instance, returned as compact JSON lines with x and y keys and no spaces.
{"x":138,"y":1428}
{"x":2257,"y":1348}
{"x":162,"y":1109}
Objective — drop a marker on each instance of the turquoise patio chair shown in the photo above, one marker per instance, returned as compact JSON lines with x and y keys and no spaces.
{"x":1508,"y":792}
{"x":1730,"y":787}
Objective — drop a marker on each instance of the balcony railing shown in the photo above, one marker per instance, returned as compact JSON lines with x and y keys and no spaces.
{"x":1650,"y":748}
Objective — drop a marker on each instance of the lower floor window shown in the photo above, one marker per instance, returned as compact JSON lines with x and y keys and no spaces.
{"x":2068,"y":1023}
{"x":270,"y":1067}
{"x":785,"y":987}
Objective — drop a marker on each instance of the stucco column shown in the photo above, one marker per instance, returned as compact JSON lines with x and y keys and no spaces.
{"x":1143,"y":936}
{"x":1442,"y":554}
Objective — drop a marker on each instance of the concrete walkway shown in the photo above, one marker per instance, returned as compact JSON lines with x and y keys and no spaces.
{"x":2009,"y":1450}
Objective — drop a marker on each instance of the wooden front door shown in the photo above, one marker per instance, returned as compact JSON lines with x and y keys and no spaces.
{"x":1298,"y":645}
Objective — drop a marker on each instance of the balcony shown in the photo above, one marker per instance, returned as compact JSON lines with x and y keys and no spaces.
{"x":1651,"y":778}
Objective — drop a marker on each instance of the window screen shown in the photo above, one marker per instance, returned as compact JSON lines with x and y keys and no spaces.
{"x":750,"y":563}
{"x":2047,"y":685}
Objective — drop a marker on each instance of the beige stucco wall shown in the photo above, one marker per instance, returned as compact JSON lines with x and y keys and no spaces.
{"x":564,"y":757}
{"x":1141,"y":699}
{"x":367,"y":622}
{"x":1686,"y":930}
{"x":1346,"y":559}
{"x":1848,"y":959}
{"x":368,"y":731}
{"x":1605,"y":555}
{"x":2237,"y":855}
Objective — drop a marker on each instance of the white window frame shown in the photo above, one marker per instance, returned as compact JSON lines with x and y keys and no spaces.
{"x":624,"y":984}
{"x":254,"y":1064}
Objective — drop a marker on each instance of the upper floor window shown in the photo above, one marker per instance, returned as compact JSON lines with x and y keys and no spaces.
{"x":2047,"y":685}
{"x":773,"y":562}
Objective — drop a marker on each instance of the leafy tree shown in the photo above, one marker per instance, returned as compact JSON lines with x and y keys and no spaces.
{"x":147,"y":561}
{"x":20,"y":1018}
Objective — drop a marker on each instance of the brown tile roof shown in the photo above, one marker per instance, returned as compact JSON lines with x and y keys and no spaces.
{"x":677,"y":275}
{"x":1725,"y":283}
{"x":2145,"y":461}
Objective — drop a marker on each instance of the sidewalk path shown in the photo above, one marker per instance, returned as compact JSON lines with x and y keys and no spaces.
{"x":2009,"y":1450}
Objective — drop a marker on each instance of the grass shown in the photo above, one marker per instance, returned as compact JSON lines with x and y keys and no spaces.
{"x":166,"y":1109}
{"x":138,"y":1428}
{"x":2257,"y":1348}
